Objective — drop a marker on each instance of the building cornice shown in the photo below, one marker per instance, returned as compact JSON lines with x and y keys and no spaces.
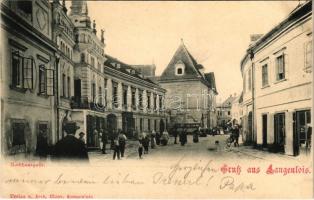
{"x":137,"y":81}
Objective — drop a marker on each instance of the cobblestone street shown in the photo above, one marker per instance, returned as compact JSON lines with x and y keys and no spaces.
{"x":206,"y":148}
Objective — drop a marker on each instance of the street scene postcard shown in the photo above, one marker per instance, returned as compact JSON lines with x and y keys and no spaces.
{"x":156,"y":99}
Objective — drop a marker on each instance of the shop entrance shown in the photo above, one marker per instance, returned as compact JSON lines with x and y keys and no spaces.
{"x":302,"y":135}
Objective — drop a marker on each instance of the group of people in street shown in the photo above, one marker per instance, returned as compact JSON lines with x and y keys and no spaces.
{"x":119,"y":143}
{"x":153,"y":139}
{"x":71,"y":147}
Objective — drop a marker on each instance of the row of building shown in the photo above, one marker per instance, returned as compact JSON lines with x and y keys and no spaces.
{"x":54,"y":69}
{"x":275,"y":107}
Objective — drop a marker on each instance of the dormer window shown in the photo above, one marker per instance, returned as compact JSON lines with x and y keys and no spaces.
{"x":179,"y":68}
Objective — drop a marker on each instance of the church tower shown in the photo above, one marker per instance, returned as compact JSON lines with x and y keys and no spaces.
{"x":79,"y":14}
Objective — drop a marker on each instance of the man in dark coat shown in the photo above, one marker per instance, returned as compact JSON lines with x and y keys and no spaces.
{"x":236,"y":134}
{"x":183,"y":137}
{"x":70,"y":147}
{"x":158,"y":135}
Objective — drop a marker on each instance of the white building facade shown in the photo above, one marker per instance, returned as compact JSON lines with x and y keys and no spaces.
{"x":282,"y":83}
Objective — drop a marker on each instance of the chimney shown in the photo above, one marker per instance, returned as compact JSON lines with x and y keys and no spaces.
{"x":255,"y":37}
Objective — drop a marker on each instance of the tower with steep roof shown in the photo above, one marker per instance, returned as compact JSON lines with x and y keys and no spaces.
{"x":79,"y":13}
{"x":191,"y":93}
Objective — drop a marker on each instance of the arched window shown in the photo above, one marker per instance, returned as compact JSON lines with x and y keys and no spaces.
{"x":179,"y":68}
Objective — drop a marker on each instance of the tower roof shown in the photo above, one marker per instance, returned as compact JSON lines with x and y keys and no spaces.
{"x":79,"y":7}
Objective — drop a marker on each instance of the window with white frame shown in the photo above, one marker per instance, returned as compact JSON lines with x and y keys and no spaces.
{"x":22,"y":71}
{"x":179,"y":68}
{"x":264,"y":75}
{"x":46,"y":81}
{"x":280,"y":67}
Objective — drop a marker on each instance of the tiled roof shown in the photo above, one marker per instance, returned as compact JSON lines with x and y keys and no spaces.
{"x":191,"y":66}
{"x":192,"y":69}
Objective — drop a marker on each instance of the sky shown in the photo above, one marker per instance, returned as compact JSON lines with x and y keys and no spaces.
{"x":217,"y":34}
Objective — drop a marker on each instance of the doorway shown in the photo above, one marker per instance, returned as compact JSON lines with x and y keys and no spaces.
{"x":264,"y":121}
{"x":279,"y":132}
{"x":301,"y":137}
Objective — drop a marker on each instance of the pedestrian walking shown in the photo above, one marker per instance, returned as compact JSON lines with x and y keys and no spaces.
{"x":116,"y":149}
{"x":183,"y":137}
{"x":158,"y":138}
{"x":196,"y":135}
{"x":122,"y":142}
{"x":95,"y":135}
{"x":70,"y":147}
{"x":104,"y":141}
{"x":140,"y":147}
{"x":146,"y":143}
{"x":152,"y":139}
{"x":236,"y":133}
{"x":101,"y":144}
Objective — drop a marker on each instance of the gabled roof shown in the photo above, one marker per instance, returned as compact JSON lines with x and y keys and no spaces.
{"x":228,"y":101}
{"x":191,"y":66}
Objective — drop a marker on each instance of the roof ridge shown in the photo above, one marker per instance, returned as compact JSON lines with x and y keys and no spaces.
{"x":191,"y":59}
